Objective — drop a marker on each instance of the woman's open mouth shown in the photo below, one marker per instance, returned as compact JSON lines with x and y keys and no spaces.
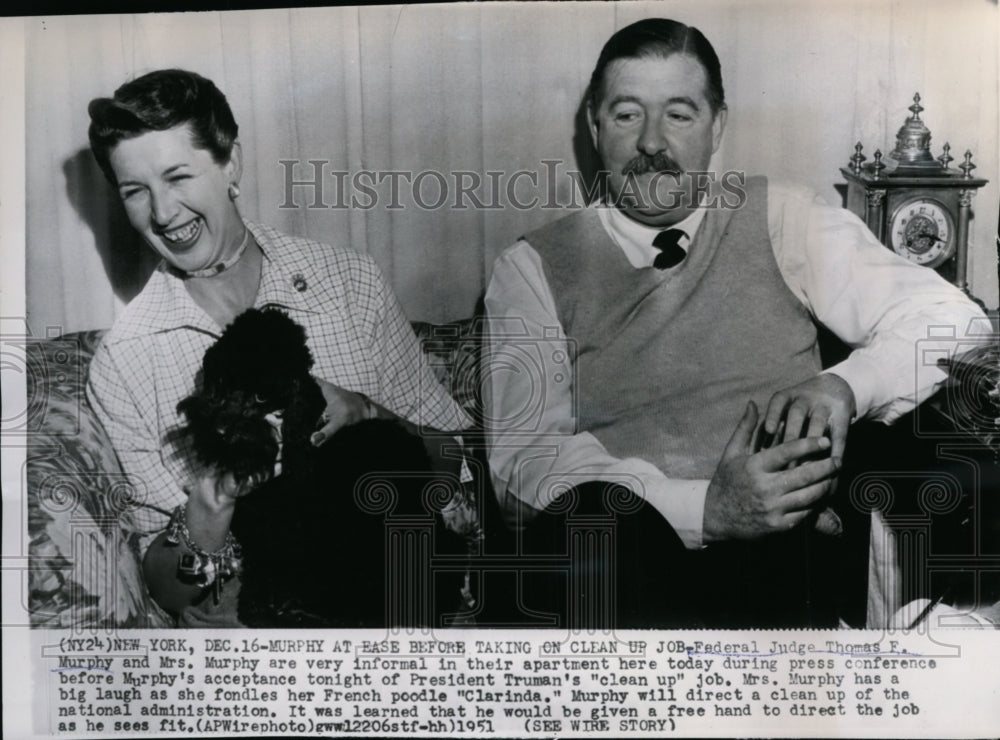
{"x":183,"y":237}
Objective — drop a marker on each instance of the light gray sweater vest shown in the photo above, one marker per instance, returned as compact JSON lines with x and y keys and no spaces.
{"x":665,"y":361}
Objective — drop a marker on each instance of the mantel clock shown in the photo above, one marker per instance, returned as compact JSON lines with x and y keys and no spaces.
{"x":917,"y":205}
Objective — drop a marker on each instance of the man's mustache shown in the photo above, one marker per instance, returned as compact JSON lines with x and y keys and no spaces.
{"x":659,"y":162}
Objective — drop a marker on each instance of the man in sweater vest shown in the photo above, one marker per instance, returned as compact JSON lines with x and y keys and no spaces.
{"x":654,"y":363}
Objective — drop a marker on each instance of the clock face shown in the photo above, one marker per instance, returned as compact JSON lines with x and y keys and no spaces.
{"x":923,"y":231}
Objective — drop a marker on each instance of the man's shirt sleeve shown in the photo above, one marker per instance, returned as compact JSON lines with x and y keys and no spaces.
{"x":892,"y":312}
{"x":535,"y":449}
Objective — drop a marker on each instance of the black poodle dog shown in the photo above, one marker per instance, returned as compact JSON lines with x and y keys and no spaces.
{"x":313,"y":527}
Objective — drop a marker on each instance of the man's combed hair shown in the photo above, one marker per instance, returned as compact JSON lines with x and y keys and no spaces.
{"x":159,"y":101}
{"x":659,"y":37}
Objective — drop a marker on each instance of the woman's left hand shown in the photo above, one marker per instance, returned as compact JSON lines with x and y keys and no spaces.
{"x":343,"y":408}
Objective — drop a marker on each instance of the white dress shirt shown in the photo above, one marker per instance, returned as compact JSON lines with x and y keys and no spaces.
{"x":876,"y":302}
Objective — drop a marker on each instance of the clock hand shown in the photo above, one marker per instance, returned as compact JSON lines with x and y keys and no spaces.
{"x":932,"y":237}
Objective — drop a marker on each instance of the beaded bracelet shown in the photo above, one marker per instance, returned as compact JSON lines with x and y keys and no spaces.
{"x":204,"y":568}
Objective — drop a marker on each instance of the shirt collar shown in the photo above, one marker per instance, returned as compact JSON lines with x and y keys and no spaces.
{"x":636,"y":239}
{"x":164,"y":304}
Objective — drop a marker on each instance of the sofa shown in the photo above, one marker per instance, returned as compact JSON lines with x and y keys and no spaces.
{"x":932,"y":481}
{"x":84,"y":567}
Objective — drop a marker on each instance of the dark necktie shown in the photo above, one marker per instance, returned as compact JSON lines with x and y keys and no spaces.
{"x":671,"y":253}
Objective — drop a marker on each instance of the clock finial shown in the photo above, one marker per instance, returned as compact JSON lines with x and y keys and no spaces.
{"x":913,"y":142}
{"x":878,"y":165}
{"x":967,"y":167}
{"x":945,"y":158}
{"x":857,"y":159}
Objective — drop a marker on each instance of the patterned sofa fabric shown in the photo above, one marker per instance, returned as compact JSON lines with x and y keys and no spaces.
{"x":84,"y":564}
{"x":453,"y":353}
{"x":84,"y":567}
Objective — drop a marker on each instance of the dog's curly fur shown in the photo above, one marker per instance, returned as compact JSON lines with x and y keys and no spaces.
{"x":311,"y":556}
{"x":259,"y":365}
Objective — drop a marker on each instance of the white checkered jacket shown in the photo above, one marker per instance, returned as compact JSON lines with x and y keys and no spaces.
{"x":356,"y":330}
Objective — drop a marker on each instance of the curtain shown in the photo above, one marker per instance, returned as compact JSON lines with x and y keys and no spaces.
{"x":446,"y":95}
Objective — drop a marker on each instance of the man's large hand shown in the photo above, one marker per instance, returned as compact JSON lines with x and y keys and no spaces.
{"x":756,"y":493}
{"x":824,"y":404}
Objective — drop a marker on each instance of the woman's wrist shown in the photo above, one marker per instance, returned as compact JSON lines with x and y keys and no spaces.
{"x":197,"y":565}
{"x":208,"y":517}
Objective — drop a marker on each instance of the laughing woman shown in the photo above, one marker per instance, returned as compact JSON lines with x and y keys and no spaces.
{"x":168,"y":143}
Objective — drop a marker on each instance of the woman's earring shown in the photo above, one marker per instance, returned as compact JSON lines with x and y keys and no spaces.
{"x":234,"y":191}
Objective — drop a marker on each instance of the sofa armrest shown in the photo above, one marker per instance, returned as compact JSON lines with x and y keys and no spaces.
{"x":84,"y":558}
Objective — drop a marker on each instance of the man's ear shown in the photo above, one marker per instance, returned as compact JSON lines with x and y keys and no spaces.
{"x":234,"y":168}
{"x":719,"y":127}
{"x":592,"y":124}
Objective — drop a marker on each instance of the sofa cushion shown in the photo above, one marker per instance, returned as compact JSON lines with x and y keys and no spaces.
{"x":84,"y":566}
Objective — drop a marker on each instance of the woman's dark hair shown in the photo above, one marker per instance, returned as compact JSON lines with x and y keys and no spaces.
{"x":159,"y":101}
{"x":659,"y":37}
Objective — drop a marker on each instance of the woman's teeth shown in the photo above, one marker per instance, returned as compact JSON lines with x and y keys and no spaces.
{"x":183,"y":234}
